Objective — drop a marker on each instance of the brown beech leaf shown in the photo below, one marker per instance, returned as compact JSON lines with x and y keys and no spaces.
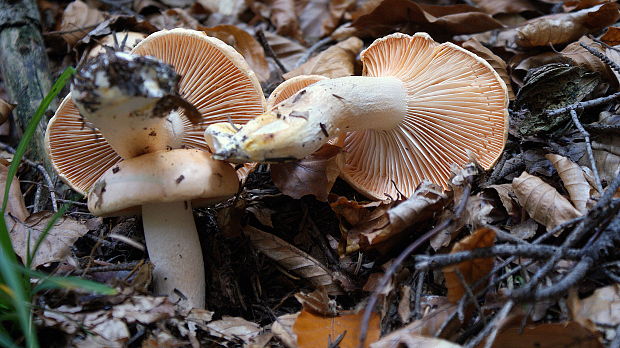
{"x":15,"y":209}
{"x":288,"y":51}
{"x":574,"y":180}
{"x":77,"y":20}
{"x":565,"y":27}
{"x":494,"y":7}
{"x":574,"y":5}
{"x":611,"y":36}
{"x":284,"y":18}
{"x":405,"y":339}
{"x":227,"y":8}
{"x":543,"y":202}
{"x":318,"y":18}
{"x":472,"y":270}
{"x":318,"y":331}
{"x":234,"y":327}
{"x":599,"y":311}
{"x":380,"y":18}
{"x":5,"y":110}
{"x":313,"y":175}
{"x":496,"y":62}
{"x":336,"y":61}
{"x":507,"y":197}
{"x":318,"y":302}
{"x":56,"y":245}
{"x":293,"y":259}
{"x":174,"y":18}
{"x":352,"y":212}
{"x":606,"y":149}
{"x":550,"y":335}
{"x":282,"y":328}
{"x":427,"y":200}
{"x":245,"y":44}
{"x":581,"y":57}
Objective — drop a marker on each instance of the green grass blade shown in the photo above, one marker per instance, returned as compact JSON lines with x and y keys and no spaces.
{"x":68,"y":283}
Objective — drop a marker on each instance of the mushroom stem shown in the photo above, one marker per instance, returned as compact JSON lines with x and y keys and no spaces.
{"x":129,"y":99}
{"x":303,"y":123}
{"x":174,"y":249}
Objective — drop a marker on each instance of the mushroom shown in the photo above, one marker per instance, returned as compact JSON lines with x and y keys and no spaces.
{"x":137,"y":132}
{"x":419,"y":108}
{"x":290,"y":87}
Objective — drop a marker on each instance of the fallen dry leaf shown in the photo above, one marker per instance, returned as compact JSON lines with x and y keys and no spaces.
{"x":124,"y":41}
{"x":284,"y":18}
{"x":437,"y":310}
{"x":581,"y":57}
{"x":245,"y":44}
{"x":77,"y":20}
{"x":318,"y":18}
{"x":282,"y":328}
{"x":293,"y":259}
{"x":611,"y":36}
{"x":288,"y":51}
{"x":336,"y":61}
{"x":472,"y":270}
{"x":234,"y":327}
{"x":15,"y":209}
{"x":427,"y":200}
{"x":525,"y":230}
{"x":566,"y":27}
{"x":494,"y":7}
{"x":174,"y":18}
{"x":56,"y":245}
{"x":606,"y":149}
{"x":227,"y":8}
{"x":5,"y":110}
{"x":599,"y":311}
{"x":507,"y":197}
{"x":383,"y":17}
{"x":405,"y":339}
{"x":550,"y":335}
{"x":543,"y":202}
{"x":574,"y":180}
{"x":353,"y":212}
{"x":498,"y":64}
{"x":313,"y":175}
{"x":318,"y":331}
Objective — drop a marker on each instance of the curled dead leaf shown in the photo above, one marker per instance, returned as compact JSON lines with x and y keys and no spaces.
{"x":574,"y":180}
{"x":232,"y":328}
{"x":318,"y":18}
{"x":288,"y":51}
{"x":245,"y":44}
{"x":5,"y":110}
{"x":77,"y":20}
{"x":599,"y":311}
{"x":470,"y":271}
{"x":581,"y":57}
{"x":611,"y":36}
{"x":284,"y":18}
{"x":313,"y":175}
{"x":336,"y":61}
{"x":543,"y":202}
{"x":293,"y":259}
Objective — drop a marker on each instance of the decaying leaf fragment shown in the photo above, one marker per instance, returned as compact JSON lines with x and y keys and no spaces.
{"x":606,"y":149}
{"x":574,"y":180}
{"x":543,"y":202}
{"x":611,"y":36}
{"x":599,"y":311}
{"x":288,"y":51}
{"x":336,"y":61}
{"x":77,"y":20}
{"x":234,"y":328}
{"x":427,"y":200}
{"x":313,"y":175}
{"x":293,"y":259}
{"x":472,"y":270}
{"x":313,"y":330}
{"x":56,"y":245}
{"x":245,"y":44}
{"x":550,"y":335}
{"x":5,"y":110}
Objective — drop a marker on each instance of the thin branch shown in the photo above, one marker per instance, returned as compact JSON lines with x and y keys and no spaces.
{"x":586,"y":137}
{"x":585,"y":104}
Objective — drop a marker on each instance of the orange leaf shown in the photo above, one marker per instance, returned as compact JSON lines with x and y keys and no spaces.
{"x":472,"y":270}
{"x":546,"y":336}
{"x":317,"y":331}
{"x":612,"y":36}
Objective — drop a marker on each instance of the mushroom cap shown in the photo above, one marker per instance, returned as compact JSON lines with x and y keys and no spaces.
{"x":163,"y":176}
{"x":214,"y":78}
{"x":457,"y":108}
{"x":290,"y":87}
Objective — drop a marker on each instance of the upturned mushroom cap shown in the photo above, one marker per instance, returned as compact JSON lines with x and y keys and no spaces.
{"x":214,"y":78}
{"x":456,"y":105}
{"x":160,"y":177}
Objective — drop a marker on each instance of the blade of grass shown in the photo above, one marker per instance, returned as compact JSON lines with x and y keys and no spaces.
{"x":8,"y":259}
{"x":71,"y":283}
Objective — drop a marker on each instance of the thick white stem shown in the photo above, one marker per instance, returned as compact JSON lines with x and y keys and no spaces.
{"x":303,"y":123}
{"x":174,"y":249}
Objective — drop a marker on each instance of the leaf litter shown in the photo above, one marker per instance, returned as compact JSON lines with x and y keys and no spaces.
{"x":298,"y":233}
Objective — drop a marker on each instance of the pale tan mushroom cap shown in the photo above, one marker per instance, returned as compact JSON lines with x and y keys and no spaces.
{"x":291,"y":86}
{"x":164,"y":176}
{"x":457,"y":104}
{"x":214,"y":78}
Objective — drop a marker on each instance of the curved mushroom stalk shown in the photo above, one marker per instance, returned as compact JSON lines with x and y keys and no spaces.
{"x":303,"y":123}
{"x":129,"y":99}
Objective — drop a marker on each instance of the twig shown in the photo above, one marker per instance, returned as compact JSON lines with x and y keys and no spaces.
{"x":40,"y":169}
{"x":602,"y":57}
{"x":418,"y":295}
{"x":585,"y":104}
{"x":126,"y":266}
{"x":470,"y":294}
{"x":269,"y":51}
{"x":490,"y":331}
{"x":586,"y":137}
{"x":317,"y":45}
{"x":372,"y":301}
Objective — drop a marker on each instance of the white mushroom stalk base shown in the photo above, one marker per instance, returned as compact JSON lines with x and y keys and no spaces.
{"x":174,"y":249}
{"x":304,"y":122}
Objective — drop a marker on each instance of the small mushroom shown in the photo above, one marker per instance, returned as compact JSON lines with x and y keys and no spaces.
{"x":290,"y":87}
{"x":419,"y":108}
{"x":138,"y":124}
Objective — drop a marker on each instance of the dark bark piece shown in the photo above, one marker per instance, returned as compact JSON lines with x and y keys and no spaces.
{"x":25,"y":69}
